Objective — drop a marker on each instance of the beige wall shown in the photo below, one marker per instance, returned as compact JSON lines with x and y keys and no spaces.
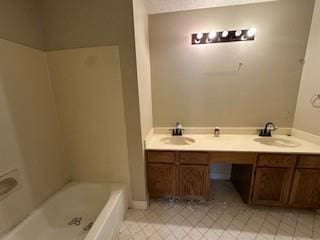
{"x":307,"y":118}
{"x":30,"y":138}
{"x":82,"y":23}
{"x":142,"y":48}
{"x":20,"y":22}
{"x":88,"y":92}
{"x":141,"y":31}
{"x":201,"y":85}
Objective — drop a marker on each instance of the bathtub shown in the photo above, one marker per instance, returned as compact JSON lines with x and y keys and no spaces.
{"x":89,"y":211}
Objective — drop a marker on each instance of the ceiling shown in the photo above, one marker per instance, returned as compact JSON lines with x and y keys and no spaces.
{"x":163,"y":6}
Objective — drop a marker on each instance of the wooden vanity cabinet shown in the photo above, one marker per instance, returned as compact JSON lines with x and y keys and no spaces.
{"x":194,"y":175}
{"x":162,"y":174}
{"x":178,"y":174}
{"x":272,"y":179}
{"x":305,"y":191}
{"x":287,"y":180}
{"x":271,"y":186}
{"x":161,"y":180}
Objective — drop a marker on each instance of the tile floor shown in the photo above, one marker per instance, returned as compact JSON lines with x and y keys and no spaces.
{"x":224,"y":217}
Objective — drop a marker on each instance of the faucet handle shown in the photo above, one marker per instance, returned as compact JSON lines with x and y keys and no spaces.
{"x":177,"y":131}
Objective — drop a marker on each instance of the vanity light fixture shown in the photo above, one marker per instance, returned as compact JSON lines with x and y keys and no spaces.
{"x":211,"y":36}
{"x":238,"y":33}
{"x":199,"y":36}
{"x":243,"y":38}
{"x":251,"y":32}
{"x":224,"y":36}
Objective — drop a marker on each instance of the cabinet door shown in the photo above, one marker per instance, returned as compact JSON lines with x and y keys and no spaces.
{"x":272,"y":186}
{"x":194,"y":181}
{"x":161,"y":180}
{"x":306,"y":189}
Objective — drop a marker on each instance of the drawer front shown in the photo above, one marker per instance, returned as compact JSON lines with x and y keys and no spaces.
{"x":201,"y":158}
{"x":161,"y":157}
{"x":233,"y":157}
{"x":276,"y":160}
{"x":309,"y":161}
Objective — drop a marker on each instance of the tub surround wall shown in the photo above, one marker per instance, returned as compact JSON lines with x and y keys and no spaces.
{"x":203,"y":86}
{"x":30,"y":135}
{"x":307,"y":117}
{"x":88,"y":92}
{"x":80,"y":24}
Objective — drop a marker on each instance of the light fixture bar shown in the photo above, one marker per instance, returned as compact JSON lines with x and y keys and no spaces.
{"x":224,"y":36}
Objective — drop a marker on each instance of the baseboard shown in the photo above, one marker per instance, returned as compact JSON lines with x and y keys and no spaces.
{"x":140,"y":205}
{"x":220,"y":176}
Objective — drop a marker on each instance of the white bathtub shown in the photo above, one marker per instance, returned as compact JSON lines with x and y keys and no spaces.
{"x":103,"y":204}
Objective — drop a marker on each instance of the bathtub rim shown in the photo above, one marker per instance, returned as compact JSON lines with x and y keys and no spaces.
{"x":115,"y":191}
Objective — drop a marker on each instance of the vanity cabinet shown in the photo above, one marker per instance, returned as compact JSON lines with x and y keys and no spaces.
{"x":194,"y":175}
{"x":161,"y":180}
{"x":287,"y":180}
{"x":194,"y":181}
{"x":271,"y":186}
{"x":162,"y":174}
{"x":272,"y":179}
{"x":306,"y":184}
{"x":178,"y":174}
{"x":306,"y":189}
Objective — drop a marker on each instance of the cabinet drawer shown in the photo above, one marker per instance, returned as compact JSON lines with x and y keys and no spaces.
{"x":309,"y":161}
{"x":232,"y":157}
{"x":200,"y":158}
{"x":161,"y":157}
{"x":276,"y":160}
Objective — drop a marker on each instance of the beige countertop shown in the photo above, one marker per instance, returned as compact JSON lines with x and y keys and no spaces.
{"x":235,"y":143}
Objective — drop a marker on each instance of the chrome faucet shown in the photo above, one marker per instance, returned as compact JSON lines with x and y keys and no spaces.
{"x":266,"y":132}
{"x":177,"y":131}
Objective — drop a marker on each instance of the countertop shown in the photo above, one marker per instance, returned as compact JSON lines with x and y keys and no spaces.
{"x":235,"y":143}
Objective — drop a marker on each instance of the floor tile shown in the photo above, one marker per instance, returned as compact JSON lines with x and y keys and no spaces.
{"x":223,"y":217}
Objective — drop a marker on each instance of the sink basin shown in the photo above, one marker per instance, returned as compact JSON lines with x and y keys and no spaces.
{"x":178,"y":140}
{"x":277,"y":142}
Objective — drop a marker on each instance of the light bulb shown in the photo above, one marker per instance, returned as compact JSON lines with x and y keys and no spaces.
{"x":238,"y":33}
{"x":212,"y":35}
{"x":199,"y":35}
{"x":225,"y":34}
{"x":251,"y":32}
